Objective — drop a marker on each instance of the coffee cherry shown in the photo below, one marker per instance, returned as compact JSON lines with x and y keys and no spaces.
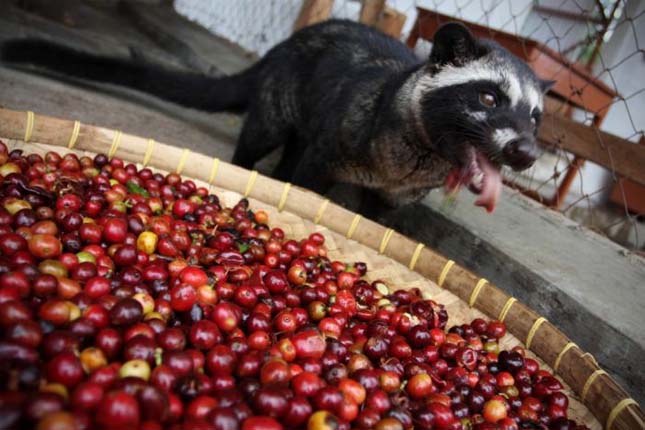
{"x":261,"y":423}
{"x":419,"y":386}
{"x":135,"y":368}
{"x":323,"y":420}
{"x":496,"y":329}
{"x":494,"y":410}
{"x":115,"y":230}
{"x":135,"y":300}
{"x":352,"y":390}
{"x":118,"y":410}
{"x":45,"y":246}
{"x":65,"y":368}
{"x":309,"y":344}
{"x":60,"y":420}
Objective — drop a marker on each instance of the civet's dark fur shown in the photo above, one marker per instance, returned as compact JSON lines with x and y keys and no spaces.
{"x":339,"y":96}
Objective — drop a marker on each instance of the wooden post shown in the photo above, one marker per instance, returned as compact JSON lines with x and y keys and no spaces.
{"x":312,"y":12}
{"x":371,"y":11}
{"x":632,"y":194}
{"x":391,"y":22}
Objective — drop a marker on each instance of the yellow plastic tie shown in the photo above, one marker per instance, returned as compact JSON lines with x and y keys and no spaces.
{"x":352,"y":226}
{"x":283,"y":197}
{"x":415,"y":256}
{"x":507,"y":307}
{"x":589,"y":383}
{"x":249,"y":185}
{"x":476,"y":291}
{"x":74,"y":136}
{"x":385,"y":240}
{"x":182,"y":161}
{"x":536,"y":325}
{"x":321,"y":211}
{"x":558,"y":359}
{"x":591,"y":357}
{"x":149,"y":149}
{"x":116,"y":141}
{"x":211,"y":178}
{"x":444,"y":272}
{"x":29,"y":127}
{"x":618,"y":409}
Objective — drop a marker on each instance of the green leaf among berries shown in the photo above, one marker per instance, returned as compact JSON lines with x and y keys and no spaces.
{"x":137,"y":189}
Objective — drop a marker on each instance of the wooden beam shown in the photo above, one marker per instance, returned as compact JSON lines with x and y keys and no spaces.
{"x":391,"y":22}
{"x":628,"y":193}
{"x":312,"y":12}
{"x":621,"y":156}
{"x":371,"y":11}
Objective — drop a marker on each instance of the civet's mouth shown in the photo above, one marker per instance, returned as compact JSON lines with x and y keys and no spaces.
{"x":480,"y":176}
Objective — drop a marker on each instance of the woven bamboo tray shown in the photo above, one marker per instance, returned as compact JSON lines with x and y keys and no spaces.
{"x":595,"y":398}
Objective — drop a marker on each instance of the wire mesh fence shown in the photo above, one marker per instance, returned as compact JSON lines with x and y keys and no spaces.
{"x":594,"y":49}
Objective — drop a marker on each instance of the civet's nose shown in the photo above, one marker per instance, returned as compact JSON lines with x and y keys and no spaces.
{"x":520,"y":153}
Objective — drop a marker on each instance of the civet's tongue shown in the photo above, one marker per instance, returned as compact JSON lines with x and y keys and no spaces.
{"x":491,"y":184}
{"x":481,"y":177}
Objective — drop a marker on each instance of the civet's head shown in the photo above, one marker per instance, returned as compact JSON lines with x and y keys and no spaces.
{"x":480,"y":107}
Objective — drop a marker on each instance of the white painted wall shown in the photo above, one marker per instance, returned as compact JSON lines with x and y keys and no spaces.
{"x":626,"y":73}
{"x":558,"y":33}
{"x":257,"y":25}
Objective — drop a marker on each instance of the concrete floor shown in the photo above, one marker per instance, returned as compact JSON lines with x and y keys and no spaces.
{"x":591,"y":288}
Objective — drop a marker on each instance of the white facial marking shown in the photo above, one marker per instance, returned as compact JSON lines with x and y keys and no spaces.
{"x":423,"y":84}
{"x":479,"y":70}
{"x":418,"y":85}
{"x":452,"y":75}
{"x":513,"y":89}
{"x":534,"y":97}
{"x":502,"y":136}
{"x":478,"y":116}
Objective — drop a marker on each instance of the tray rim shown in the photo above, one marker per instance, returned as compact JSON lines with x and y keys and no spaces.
{"x":598,"y":391}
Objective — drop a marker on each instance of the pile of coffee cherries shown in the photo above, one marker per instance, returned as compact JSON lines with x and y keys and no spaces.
{"x":135,"y":300}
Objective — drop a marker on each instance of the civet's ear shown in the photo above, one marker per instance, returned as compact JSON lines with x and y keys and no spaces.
{"x":454,"y":43}
{"x":546,"y":85}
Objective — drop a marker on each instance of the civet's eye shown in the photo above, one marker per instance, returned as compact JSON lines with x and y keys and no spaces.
{"x":488,"y":99}
{"x":533,"y":121}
